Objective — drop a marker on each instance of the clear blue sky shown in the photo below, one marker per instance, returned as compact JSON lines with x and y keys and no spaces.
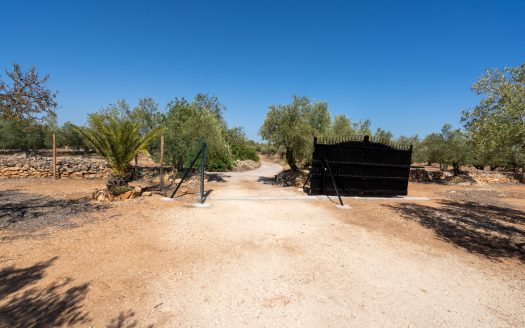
{"x":408,"y":66}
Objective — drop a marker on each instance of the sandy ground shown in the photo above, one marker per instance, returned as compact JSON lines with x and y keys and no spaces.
{"x":266,"y":256}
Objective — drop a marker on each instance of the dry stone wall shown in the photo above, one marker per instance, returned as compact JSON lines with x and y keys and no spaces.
{"x":475,"y":177}
{"x":80,"y":167}
{"x":85,"y":166}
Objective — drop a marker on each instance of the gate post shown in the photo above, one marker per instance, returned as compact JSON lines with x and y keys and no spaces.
{"x":203,"y":161}
{"x":161,"y":168}
{"x":54,"y":156}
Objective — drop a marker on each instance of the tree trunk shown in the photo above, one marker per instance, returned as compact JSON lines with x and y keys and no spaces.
{"x":290,"y":158}
{"x":455,"y":168}
{"x":116,"y":184}
{"x":180,"y":165}
{"x":116,"y":181}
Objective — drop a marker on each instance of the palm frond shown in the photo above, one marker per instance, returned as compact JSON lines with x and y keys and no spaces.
{"x":118,"y":141}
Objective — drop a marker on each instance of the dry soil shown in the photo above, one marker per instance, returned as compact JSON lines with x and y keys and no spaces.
{"x":261,"y":256}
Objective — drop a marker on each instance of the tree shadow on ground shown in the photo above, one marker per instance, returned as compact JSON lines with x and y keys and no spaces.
{"x":23,"y":305}
{"x":216,"y":177}
{"x":495,"y":232}
{"x":13,"y":279}
{"x":20,"y":211}
{"x":58,"y":304}
{"x":268,"y":180}
{"x":125,"y":320}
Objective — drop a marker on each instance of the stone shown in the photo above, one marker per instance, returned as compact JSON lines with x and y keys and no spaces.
{"x":126,"y":195}
{"x":76,"y":175}
{"x":136,"y":192}
{"x":147,"y":193}
{"x":102,"y":196}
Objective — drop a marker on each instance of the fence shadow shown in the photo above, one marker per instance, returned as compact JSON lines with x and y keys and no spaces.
{"x":492,"y":231}
{"x":21,"y":211}
{"x":58,"y":304}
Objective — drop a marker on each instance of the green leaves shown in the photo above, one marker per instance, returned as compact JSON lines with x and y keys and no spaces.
{"x":497,"y":124}
{"x":451,"y":146}
{"x":293,"y":127}
{"x":117,"y":140}
{"x":190,"y":123}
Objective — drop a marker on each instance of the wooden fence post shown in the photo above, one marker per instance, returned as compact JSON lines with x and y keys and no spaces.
{"x":135,"y":173}
{"x":54,"y":156}
{"x":161,"y":168}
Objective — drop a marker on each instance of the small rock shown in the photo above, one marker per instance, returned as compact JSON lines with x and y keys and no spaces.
{"x":76,"y":175}
{"x":136,"y":192}
{"x":126,"y":195}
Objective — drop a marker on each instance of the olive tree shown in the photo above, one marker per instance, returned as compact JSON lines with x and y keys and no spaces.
{"x":188,"y":124}
{"x":293,"y":127}
{"x":496,"y":125}
{"x":341,"y":127}
{"x":450,"y":146}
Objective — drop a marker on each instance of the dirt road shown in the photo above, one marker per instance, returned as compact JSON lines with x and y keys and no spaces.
{"x":260,"y":256}
{"x":292,"y":262}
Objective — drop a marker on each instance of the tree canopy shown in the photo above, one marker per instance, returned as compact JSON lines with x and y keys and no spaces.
{"x":24,"y":95}
{"x":493,"y":134}
{"x":496,"y":125}
{"x":117,"y":140}
{"x":294,"y":125}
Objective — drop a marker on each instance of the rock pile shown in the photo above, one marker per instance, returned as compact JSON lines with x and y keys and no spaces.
{"x":289,"y":178}
{"x":491,"y":177}
{"x":245,"y":165}
{"x":422,"y":175}
{"x":106,"y":196}
{"x":471,"y":177}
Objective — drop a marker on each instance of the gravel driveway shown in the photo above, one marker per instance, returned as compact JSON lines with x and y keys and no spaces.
{"x":269,"y":262}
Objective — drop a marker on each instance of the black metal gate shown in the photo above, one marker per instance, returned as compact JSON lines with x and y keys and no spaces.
{"x":360,"y":166}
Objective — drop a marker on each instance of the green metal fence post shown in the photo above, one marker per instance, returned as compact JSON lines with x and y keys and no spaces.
{"x":203,"y":161}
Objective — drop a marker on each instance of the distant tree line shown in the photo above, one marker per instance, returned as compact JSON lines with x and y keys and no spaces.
{"x":28,"y":120}
{"x":493,"y":133}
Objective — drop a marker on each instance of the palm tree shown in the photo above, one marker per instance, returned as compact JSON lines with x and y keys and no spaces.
{"x":118,"y":141}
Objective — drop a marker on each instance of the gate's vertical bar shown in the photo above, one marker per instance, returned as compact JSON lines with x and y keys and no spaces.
{"x":54,"y":156}
{"x":203,"y":161}
{"x":161,"y":168}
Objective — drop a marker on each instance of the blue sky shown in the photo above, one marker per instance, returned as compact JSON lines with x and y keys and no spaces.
{"x":408,"y":66}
